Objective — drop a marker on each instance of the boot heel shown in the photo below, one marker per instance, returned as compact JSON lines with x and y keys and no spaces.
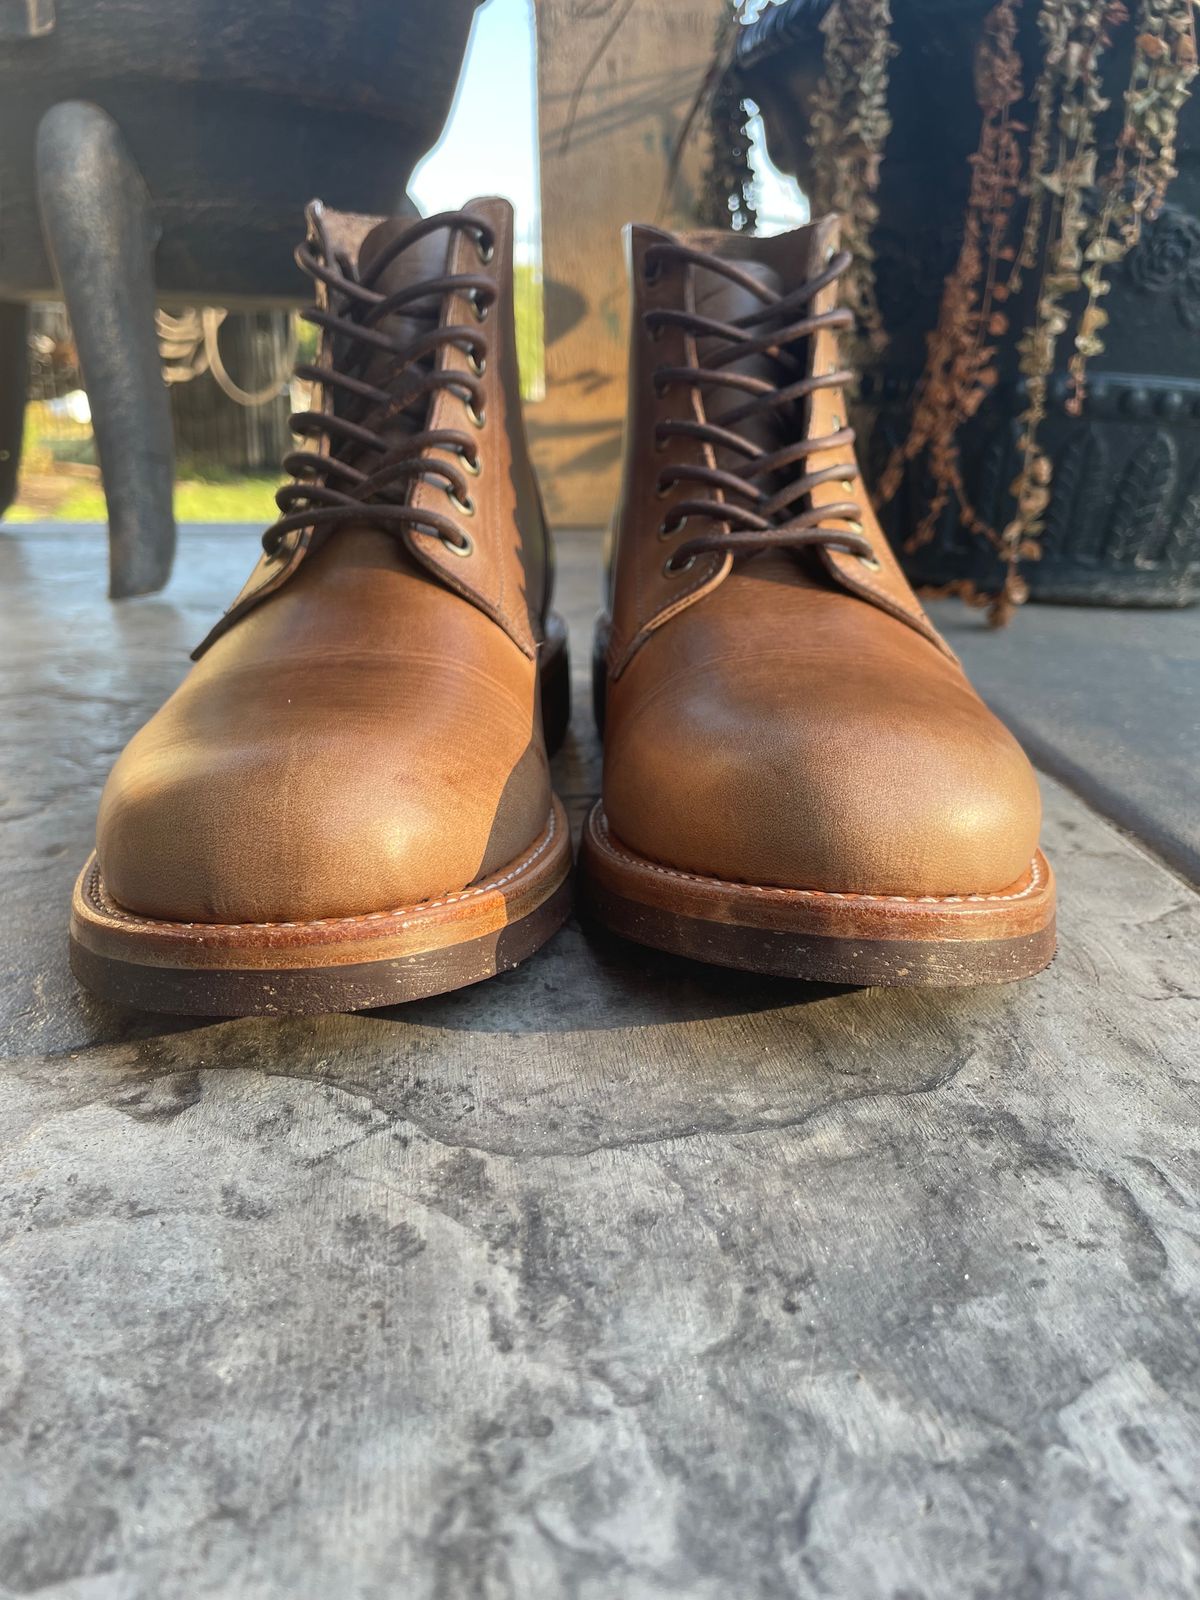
{"x":554,"y":672}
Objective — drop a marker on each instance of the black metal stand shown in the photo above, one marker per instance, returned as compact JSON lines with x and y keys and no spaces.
{"x":14,"y":374}
{"x":101,"y":235}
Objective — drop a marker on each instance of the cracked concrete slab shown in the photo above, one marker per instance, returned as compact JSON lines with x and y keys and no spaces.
{"x":615,"y":1278}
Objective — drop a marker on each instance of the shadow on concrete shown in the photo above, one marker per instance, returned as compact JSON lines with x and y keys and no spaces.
{"x":581,"y":982}
{"x":589,"y":981}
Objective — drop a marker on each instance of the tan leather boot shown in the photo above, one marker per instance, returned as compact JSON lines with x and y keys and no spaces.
{"x":798,"y":778}
{"x":347,"y":802}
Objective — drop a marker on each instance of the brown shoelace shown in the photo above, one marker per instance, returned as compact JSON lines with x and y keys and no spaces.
{"x":751,"y":517}
{"x":366,"y":476}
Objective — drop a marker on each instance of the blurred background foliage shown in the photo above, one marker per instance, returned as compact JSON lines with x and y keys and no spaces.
{"x":225,"y":463}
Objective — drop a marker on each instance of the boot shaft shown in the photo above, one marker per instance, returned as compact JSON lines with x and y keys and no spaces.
{"x":718,"y":403}
{"x":416,"y":423}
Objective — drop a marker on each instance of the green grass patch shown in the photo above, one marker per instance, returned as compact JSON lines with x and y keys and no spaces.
{"x":528,"y":308}
{"x":237,"y":500}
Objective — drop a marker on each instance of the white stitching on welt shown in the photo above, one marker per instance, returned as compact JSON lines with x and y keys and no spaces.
{"x":619,"y":852}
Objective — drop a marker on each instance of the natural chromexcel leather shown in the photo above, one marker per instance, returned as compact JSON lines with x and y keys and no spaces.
{"x":362,"y":732}
{"x":788,"y":718}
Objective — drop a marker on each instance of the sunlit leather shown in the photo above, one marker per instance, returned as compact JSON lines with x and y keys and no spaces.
{"x":364,"y":733}
{"x":791,"y":718}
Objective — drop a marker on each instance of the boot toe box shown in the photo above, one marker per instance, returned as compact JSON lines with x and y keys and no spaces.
{"x":282,"y":821}
{"x":867,"y":789}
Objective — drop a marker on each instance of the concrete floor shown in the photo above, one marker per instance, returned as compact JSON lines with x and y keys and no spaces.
{"x":613,"y":1279}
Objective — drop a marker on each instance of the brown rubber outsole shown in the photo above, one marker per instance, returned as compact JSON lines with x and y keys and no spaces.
{"x":334,"y":964}
{"x":929,"y":941}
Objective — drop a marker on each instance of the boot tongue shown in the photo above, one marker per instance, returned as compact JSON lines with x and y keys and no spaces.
{"x":723,"y":301}
{"x":421,"y":262}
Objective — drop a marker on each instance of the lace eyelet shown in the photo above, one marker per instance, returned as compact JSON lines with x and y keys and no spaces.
{"x":476,"y":415}
{"x":872,"y":563}
{"x":472,"y":464}
{"x":481,"y":311}
{"x":651,"y":272}
{"x":477,"y":364}
{"x":662,"y":490}
{"x":855,"y":526}
{"x":674,"y":569}
{"x":463,"y":550}
{"x":486,"y":250}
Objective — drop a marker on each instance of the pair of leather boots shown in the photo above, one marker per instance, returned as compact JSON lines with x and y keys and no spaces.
{"x":347,"y":803}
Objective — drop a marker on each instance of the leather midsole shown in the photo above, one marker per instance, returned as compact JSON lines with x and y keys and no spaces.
{"x":1024,"y":907}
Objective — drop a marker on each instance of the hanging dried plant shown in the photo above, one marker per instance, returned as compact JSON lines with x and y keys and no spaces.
{"x":1075,"y":35}
{"x":727,"y":187}
{"x":849,"y":127}
{"x":1077,"y":250}
{"x":960,"y":369}
{"x":1072,"y":241}
{"x":1164,"y":66}
{"x":1037,"y":204}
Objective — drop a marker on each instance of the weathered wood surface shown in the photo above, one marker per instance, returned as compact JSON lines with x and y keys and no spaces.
{"x":613,"y":1279}
{"x":617,"y":80}
{"x":1109,"y":703}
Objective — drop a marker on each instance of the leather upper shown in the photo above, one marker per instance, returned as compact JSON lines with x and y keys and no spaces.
{"x":789,"y":718}
{"x":362,"y":731}
{"x":646,"y":595}
{"x":509,"y":573}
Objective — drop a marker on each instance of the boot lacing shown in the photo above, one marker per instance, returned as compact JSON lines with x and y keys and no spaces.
{"x":751,"y":518}
{"x":366,"y":475}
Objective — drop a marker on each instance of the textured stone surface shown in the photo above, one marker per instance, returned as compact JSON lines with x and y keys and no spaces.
{"x":613,"y":1279}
